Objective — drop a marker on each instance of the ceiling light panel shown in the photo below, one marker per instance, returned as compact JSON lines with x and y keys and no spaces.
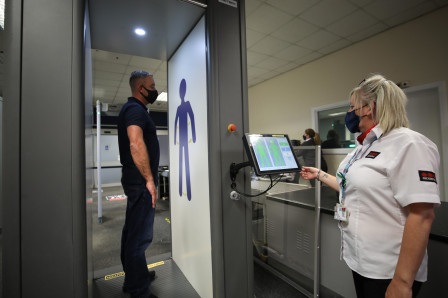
{"x":140,"y":32}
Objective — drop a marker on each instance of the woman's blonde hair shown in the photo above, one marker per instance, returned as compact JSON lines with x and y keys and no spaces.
{"x":390,"y":102}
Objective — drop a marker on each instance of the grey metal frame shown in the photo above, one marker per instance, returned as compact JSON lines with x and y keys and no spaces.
{"x":227,"y":95}
{"x":44,"y":191}
{"x":317,"y":227}
{"x":11,"y":183}
{"x":98,"y":161}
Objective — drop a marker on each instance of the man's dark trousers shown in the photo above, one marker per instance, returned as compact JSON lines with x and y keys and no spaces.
{"x":136,"y":237}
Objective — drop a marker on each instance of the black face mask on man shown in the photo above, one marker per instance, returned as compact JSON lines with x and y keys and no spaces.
{"x":152,"y":95}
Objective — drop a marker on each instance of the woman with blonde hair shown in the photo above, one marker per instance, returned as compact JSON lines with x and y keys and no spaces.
{"x":387,"y":193}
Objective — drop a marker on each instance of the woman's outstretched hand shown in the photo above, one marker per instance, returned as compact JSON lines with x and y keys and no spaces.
{"x":309,"y":173}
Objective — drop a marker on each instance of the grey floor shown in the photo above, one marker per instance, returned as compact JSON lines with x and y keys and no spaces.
{"x":106,"y":237}
{"x":170,"y":282}
{"x":106,"y":240}
{"x":106,"y":252}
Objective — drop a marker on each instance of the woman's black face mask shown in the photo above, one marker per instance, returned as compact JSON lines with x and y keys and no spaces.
{"x":352,"y":122}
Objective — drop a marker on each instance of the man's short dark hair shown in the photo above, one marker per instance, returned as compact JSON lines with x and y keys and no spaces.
{"x":135,"y":78}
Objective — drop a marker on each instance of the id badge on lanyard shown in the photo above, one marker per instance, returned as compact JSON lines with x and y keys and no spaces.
{"x":341,"y":213}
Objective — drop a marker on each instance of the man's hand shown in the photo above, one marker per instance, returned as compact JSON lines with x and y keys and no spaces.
{"x":398,"y":289}
{"x":153,"y":191}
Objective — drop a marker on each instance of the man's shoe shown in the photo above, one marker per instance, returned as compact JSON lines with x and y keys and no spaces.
{"x":152,"y":276}
{"x":152,"y":296}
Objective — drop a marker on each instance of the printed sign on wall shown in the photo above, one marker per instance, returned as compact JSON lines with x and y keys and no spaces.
{"x":189,"y":174}
{"x":181,"y":123}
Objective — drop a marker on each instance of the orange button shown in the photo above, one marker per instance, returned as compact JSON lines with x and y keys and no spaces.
{"x":231,"y":127}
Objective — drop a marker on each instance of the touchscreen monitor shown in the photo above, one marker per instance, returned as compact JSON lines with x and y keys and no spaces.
{"x":270,"y":153}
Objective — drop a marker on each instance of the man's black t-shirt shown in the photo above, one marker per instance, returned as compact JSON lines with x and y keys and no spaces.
{"x":134,"y":113}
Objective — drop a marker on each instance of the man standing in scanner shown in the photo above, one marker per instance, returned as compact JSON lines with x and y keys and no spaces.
{"x":183,"y":111}
{"x":139,"y":155}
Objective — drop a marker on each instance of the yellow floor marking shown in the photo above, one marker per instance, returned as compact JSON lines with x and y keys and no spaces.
{"x":119,"y":274}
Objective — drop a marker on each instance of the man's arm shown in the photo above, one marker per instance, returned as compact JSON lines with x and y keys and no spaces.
{"x":140,"y":156}
{"x":413,"y":247}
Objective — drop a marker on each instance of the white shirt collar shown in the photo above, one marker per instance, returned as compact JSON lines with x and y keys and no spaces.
{"x":374,"y":134}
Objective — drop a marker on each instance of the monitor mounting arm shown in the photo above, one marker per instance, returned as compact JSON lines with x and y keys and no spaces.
{"x":234,"y":169}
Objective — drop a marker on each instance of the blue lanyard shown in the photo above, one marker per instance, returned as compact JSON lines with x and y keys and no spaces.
{"x":352,"y":160}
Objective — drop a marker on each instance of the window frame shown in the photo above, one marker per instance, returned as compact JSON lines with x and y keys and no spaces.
{"x":315,"y":123}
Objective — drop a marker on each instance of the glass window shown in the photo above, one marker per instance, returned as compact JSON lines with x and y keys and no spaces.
{"x":332,"y":130}
{"x":2,"y":14}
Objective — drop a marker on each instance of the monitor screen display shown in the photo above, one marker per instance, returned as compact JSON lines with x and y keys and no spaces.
{"x":270,"y":153}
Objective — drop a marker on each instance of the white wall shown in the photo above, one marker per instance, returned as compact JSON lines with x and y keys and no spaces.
{"x":416,"y":51}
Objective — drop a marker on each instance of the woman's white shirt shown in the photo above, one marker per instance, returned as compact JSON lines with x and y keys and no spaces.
{"x":390,"y":172}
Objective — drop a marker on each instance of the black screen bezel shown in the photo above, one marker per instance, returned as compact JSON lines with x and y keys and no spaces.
{"x":253,"y":160}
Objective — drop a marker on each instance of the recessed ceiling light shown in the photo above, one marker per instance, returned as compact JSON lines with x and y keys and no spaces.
{"x":140,"y":31}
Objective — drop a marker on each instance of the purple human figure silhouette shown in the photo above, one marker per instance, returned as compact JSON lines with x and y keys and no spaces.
{"x":183,"y":111}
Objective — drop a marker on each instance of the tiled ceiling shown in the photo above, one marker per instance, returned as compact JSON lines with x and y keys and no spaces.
{"x":111,"y":72}
{"x":285,"y":34}
{"x":280,"y":35}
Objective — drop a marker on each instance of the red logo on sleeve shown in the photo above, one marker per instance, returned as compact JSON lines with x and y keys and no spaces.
{"x":427,"y":176}
{"x":372,"y":154}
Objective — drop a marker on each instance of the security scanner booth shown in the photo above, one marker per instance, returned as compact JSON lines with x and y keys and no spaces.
{"x":203,"y":45}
